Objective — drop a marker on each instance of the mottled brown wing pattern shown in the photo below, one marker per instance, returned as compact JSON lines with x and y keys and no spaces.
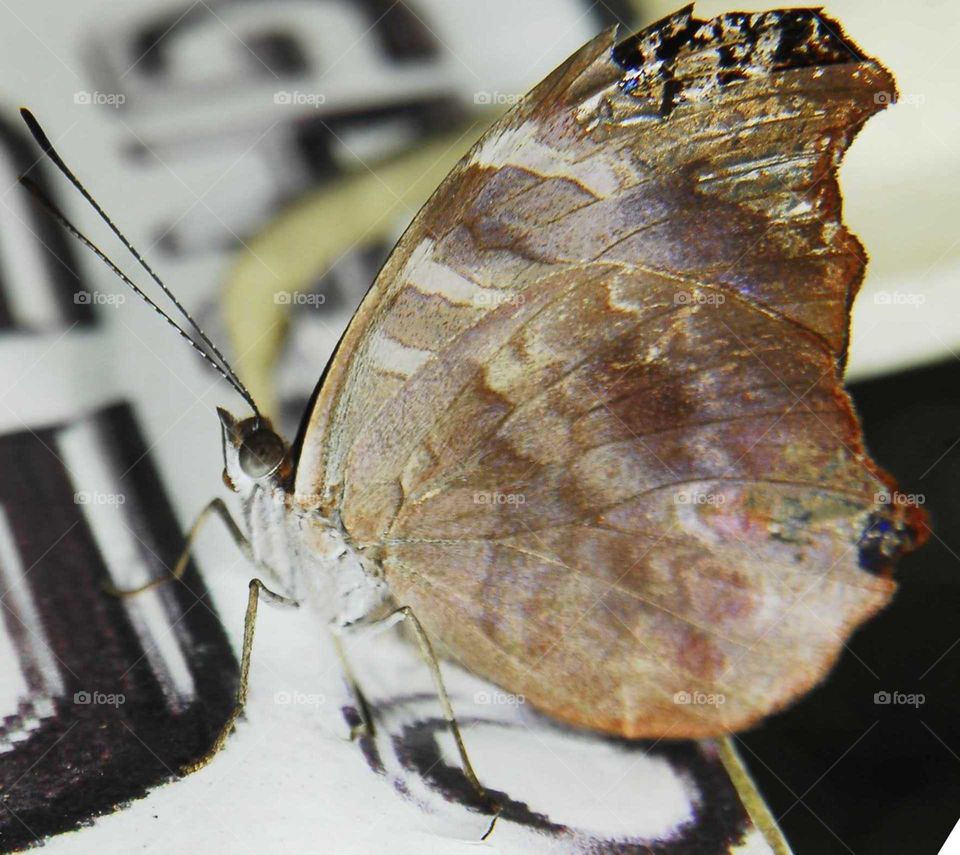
{"x":590,"y":416}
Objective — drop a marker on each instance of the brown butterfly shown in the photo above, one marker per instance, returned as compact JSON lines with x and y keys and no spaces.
{"x":587,"y":428}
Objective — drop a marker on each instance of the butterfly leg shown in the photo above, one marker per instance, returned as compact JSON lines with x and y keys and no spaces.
{"x":257,"y":590}
{"x":365,"y":727}
{"x":426,"y":649}
{"x":216,"y":508}
{"x":754,"y":803}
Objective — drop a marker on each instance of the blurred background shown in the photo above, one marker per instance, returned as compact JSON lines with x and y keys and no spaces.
{"x":253,"y":149}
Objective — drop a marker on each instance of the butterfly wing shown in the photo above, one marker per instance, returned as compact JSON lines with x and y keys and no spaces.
{"x":590,"y":416}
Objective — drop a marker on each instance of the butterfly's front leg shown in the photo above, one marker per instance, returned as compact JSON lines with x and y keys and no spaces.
{"x":216,"y":508}
{"x":257,"y":590}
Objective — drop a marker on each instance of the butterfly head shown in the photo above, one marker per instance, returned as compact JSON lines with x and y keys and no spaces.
{"x":253,"y":453}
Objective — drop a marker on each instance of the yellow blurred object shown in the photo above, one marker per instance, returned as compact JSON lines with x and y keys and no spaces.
{"x":305,"y":240}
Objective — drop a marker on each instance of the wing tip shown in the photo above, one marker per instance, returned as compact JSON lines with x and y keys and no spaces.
{"x":745,"y":43}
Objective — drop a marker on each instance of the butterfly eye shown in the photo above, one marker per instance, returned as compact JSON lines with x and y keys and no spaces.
{"x":261,"y":453}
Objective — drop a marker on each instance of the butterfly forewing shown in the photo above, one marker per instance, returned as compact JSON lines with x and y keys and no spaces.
{"x":590,"y":415}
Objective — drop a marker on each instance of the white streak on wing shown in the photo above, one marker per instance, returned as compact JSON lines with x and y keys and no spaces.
{"x":520,"y":147}
{"x":389,"y":354}
{"x":431,"y":277}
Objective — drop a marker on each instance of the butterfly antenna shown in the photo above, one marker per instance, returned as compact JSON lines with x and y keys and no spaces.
{"x":61,"y":218}
{"x":223,"y":367}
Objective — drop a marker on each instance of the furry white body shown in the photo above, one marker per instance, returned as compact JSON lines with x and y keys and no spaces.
{"x":307,"y":553}
{"x":313,"y":560}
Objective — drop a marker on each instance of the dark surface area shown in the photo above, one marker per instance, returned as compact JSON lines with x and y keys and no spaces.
{"x":841,"y":772}
{"x":92,"y":755}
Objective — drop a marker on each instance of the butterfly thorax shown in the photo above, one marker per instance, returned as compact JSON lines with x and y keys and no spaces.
{"x":313,"y":557}
{"x":308,"y":550}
